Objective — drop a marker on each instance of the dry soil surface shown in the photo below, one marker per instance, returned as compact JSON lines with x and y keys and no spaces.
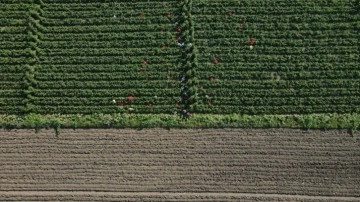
{"x":180,"y":165}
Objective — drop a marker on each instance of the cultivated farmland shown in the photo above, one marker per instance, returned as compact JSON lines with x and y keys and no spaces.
{"x":179,"y":64}
{"x":259,"y":57}
{"x":160,"y":57}
{"x":180,"y":165}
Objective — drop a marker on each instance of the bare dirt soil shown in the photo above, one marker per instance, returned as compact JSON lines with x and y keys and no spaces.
{"x":180,"y":165}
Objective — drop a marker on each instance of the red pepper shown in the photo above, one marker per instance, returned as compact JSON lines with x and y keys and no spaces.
{"x":216,"y":61}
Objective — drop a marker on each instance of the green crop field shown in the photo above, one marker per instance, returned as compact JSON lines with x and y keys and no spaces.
{"x":212,"y":58}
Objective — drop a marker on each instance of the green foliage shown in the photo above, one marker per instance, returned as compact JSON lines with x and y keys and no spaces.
{"x":243,"y":67}
{"x":57,"y":121}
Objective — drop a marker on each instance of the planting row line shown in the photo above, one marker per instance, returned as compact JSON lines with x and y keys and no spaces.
{"x":155,"y":74}
{"x":249,"y":68}
{"x":289,"y":109}
{"x":291,"y":66}
{"x":11,"y":109}
{"x":108,"y":6}
{"x":103,"y":42}
{"x":161,"y":66}
{"x":96,"y":85}
{"x":295,"y":19}
{"x":216,"y":84}
{"x":273,"y":68}
{"x":105,"y":37}
{"x":140,"y":109}
{"x":281,"y":84}
{"x":157,"y":19}
{"x":169,"y":47}
{"x":132,"y":30}
{"x":351,"y":101}
{"x":168,"y":90}
{"x":269,"y":27}
{"x":281,"y":40}
{"x":276,"y":7}
{"x":15,"y":43}
{"x":291,"y":37}
{"x":55,"y":60}
{"x":163,"y":16}
{"x":90,"y":52}
{"x":168,"y":73}
{"x":306,"y":34}
{"x":291,"y":76}
{"x":280,"y":101}
{"x":140,"y":81}
{"x":278,"y":58}
{"x":94,"y":101}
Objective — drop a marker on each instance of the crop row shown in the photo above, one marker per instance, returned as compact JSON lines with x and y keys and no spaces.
{"x":291,"y":19}
{"x":107,"y":68}
{"x":151,"y":84}
{"x":94,"y":101}
{"x":13,"y":30}
{"x":280,"y":43}
{"x":264,"y":49}
{"x":112,"y":20}
{"x":104,"y":37}
{"x":292,"y":66}
{"x":280,"y":101}
{"x":15,"y":43}
{"x":328,"y":95}
{"x":278,"y":26}
{"x":15,"y":60}
{"x":142,"y":109}
{"x":291,"y":75}
{"x":59,"y":7}
{"x":104,"y":41}
{"x":103,"y":60}
{"x":282,"y":37}
{"x":105,"y":52}
{"x":13,"y":22}
{"x":284,"y":109}
{"x":272,"y":7}
{"x":11,"y":109}
{"x":157,"y":73}
{"x":212,"y":76}
{"x":148,"y":29}
{"x":10,"y":101}
{"x":237,"y":44}
{"x":283,"y":92}
{"x":249,"y":68}
{"x":281,"y":84}
{"x":253,"y":57}
{"x":99,"y":85}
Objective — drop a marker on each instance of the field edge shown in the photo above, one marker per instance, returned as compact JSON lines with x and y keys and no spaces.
{"x":350,"y":122}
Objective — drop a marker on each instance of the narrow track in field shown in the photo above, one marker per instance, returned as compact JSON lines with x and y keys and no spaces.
{"x":174,"y":195}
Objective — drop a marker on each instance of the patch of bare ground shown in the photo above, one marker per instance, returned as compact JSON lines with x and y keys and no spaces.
{"x":178,"y":165}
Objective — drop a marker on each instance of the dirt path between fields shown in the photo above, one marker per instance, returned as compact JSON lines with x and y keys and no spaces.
{"x":176,"y":195}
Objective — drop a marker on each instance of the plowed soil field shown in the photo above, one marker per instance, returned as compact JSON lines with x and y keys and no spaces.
{"x":180,"y":165}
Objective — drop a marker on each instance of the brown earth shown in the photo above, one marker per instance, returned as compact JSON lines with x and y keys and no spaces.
{"x":180,"y":165}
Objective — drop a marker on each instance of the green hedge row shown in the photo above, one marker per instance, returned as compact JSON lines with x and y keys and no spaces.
{"x":121,"y":120}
